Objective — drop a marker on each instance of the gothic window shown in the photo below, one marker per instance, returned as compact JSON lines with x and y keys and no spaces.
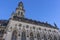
{"x":31,"y":36}
{"x":50,"y":37}
{"x":20,"y":25}
{"x":1,"y":32}
{"x":42,"y":37}
{"x":23,"y":37}
{"x":10,"y":28}
{"x":38,"y":37}
{"x":39,"y":28}
{"x":27,"y":26}
{"x":14,"y":35}
{"x":45,"y":38}
{"x":22,"y":13}
{"x":55,"y":38}
{"x":33,"y":27}
{"x":27,"y":33}
{"x":18,"y":34}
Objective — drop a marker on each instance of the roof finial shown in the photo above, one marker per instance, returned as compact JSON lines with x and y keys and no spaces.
{"x":55,"y":25}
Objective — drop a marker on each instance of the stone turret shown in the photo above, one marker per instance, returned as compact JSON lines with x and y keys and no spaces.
{"x":20,"y":10}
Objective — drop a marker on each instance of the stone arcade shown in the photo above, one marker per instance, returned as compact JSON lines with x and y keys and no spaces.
{"x":20,"y":28}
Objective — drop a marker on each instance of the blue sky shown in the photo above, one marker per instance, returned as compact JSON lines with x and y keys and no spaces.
{"x":40,"y":10}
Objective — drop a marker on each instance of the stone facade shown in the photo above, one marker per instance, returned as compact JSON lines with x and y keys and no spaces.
{"x":26,"y":31}
{"x":20,"y":28}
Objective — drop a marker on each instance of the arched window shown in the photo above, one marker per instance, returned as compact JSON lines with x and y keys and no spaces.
{"x":1,"y":32}
{"x":55,"y":38}
{"x":23,"y":37}
{"x":18,"y":12}
{"x":38,"y":37}
{"x":50,"y":37}
{"x":14,"y":35}
{"x":22,"y":13}
{"x":31,"y":36}
{"x":45,"y":38}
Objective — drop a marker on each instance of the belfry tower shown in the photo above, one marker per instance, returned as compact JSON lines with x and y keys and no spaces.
{"x":12,"y":30}
{"x":19,"y":12}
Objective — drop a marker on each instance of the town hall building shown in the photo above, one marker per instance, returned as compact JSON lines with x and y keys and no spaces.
{"x":20,"y":28}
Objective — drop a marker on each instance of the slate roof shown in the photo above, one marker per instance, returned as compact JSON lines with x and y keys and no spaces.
{"x":34,"y":22}
{"x":3,"y":22}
